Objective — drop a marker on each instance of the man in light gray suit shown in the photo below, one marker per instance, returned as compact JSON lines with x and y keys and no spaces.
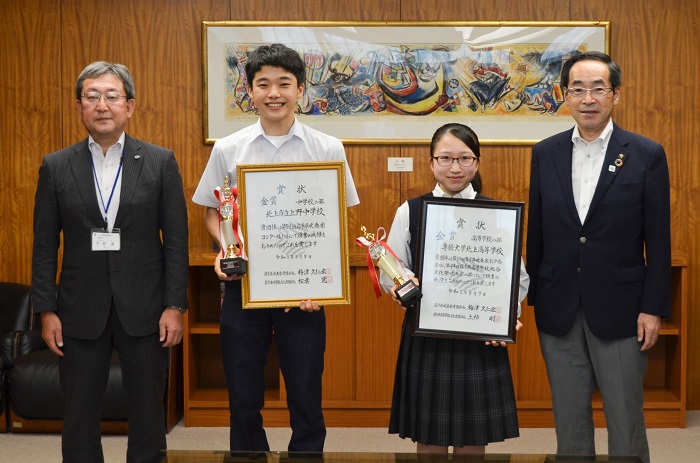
{"x":120,"y":206}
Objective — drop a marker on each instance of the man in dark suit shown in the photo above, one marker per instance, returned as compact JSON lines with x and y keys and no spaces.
{"x":120,"y":206}
{"x":599,"y":255}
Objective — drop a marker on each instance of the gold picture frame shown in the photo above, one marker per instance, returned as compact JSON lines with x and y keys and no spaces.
{"x":396,"y":82}
{"x":294,"y":220}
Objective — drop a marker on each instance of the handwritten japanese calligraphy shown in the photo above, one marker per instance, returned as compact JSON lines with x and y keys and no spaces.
{"x":293,"y":227}
{"x":467,"y":268}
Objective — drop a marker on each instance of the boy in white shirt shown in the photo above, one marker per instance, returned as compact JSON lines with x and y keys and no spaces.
{"x":276,"y":76}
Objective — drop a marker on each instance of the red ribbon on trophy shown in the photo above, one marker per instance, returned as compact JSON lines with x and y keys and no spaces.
{"x":228,"y":214}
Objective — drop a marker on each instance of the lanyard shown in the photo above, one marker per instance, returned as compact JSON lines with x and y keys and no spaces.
{"x":109,"y":201}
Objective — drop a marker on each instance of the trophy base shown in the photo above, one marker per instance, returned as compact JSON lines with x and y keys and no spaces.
{"x":234,"y":266}
{"x":408,"y":293}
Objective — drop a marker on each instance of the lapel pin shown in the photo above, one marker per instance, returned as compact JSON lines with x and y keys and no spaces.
{"x":619,"y":160}
{"x":611,"y":168}
{"x":138,"y":156}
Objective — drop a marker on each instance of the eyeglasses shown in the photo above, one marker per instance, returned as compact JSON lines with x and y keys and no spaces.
{"x":580,"y":92}
{"x":446,"y":161}
{"x":111,"y":98}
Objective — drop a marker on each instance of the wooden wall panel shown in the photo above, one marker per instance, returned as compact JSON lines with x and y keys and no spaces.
{"x":340,"y":358}
{"x":379,"y":192}
{"x":378,"y":335}
{"x":315,"y":10}
{"x":654,"y":47}
{"x":46,"y":43}
{"x":505,"y":171}
{"x":484,"y":10}
{"x":160,"y":42}
{"x":527,"y":364}
{"x":30,"y":123}
{"x":647,"y":105}
{"x":421,"y":180}
{"x":642,"y":43}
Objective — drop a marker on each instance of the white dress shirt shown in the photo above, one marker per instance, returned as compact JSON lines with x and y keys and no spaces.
{"x":104,"y":174}
{"x":586,"y":164}
{"x":251,"y":146}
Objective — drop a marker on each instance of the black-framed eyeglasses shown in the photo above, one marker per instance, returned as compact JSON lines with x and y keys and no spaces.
{"x":446,"y":161}
{"x":596,"y":92}
{"x":110,"y":98}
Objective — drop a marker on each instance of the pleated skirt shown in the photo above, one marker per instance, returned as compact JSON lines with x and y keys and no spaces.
{"x":452,"y":392}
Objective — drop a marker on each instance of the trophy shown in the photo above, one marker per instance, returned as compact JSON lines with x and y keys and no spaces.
{"x":380,"y":254}
{"x":232,"y":262}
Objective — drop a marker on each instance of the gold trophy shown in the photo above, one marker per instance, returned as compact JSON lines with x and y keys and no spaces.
{"x":232,"y":263}
{"x":407,"y":292}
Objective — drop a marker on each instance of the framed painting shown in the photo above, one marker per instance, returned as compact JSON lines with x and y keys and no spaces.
{"x":469,"y":255}
{"x":293,"y":218}
{"x":396,"y":82}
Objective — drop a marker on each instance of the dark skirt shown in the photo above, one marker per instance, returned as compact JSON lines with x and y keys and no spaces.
{"x":452,"y":392}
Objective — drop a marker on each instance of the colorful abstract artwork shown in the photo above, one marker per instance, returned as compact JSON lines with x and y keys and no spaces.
{"x":410,"y":80}
{"x":406,"y":80}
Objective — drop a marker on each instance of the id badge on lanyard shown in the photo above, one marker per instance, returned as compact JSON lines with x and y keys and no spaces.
{"x":104,"y":240}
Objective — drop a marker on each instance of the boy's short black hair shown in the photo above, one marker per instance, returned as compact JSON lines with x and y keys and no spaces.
{"x":276,"y":55}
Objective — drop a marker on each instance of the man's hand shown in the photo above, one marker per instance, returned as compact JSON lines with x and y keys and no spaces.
{"x":518,"y":325}
{"x":52,"y":331}
{"x":170,"y":325}
{"x":648,"y":329}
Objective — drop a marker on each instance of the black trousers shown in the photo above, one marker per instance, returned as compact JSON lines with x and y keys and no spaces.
{"x":246,"y":336}
{"x":84,"y":371}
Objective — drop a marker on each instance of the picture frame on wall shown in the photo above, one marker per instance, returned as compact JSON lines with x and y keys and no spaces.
{"x":396,"y":82}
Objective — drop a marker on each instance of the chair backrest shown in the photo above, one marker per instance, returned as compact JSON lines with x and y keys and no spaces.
{"x":15,"y":307}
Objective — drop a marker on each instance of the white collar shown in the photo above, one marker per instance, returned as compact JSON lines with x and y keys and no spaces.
{"x":467,"y":193}
{"x":119,"y":144}
{"x":258,"y":131}
{"x":604,"y":136}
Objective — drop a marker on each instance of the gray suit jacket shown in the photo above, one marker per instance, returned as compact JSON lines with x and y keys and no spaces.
{"x":147,"y":274}
{"x":618,"y":262}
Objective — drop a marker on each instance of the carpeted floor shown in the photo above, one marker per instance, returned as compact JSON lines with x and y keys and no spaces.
{"x":667,"y":445}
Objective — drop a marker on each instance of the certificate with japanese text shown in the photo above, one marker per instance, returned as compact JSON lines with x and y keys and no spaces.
{"x":469,"y":268}
{"x":294,"y":223}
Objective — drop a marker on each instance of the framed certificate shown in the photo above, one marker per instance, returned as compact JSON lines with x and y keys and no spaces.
{"x":294,"y":224}
{"x":469,"y":268}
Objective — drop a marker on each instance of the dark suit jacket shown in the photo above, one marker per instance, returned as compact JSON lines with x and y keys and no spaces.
{"x":151,"y":269}
{"x":602,"y":261}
